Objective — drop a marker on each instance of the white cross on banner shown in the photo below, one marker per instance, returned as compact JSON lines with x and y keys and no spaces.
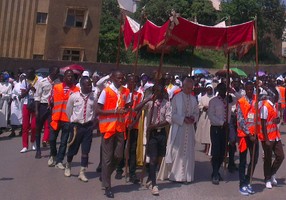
{"x":128,"y":5}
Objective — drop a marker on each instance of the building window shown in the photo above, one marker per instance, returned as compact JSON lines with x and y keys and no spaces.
{"x":72,"y":55}
{"x":284,"y":52}
{"x":38,"y":57}
{"x":42,"y":18}
{"x":76,"y":18}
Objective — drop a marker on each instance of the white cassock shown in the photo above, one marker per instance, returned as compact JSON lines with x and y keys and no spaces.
{"x":179,"y":162}
{"x":16,"y":106}
{"x":5,"y":90}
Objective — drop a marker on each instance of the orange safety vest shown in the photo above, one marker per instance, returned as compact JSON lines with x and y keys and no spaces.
{"x":282,"y":96}
{"x":60,"y":99}
{"x":112,"y":123}
{"x":272,"y":129}
{"x":137,"y":97}
{"x":248,"y":112}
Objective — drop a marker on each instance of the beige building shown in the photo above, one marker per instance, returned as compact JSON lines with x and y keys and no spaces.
{"x":50,"y":29}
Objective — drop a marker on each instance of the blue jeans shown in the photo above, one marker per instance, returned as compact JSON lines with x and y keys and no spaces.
{"x":64,"y":126}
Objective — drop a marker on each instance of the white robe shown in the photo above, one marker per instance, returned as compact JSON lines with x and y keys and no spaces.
{"x":16,"y":106}
{"x":179,"y":163}
{"x":204,"y":124}
{"x":5,"y":90}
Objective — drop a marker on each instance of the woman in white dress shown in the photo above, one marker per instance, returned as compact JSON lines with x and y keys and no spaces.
{"x":5,"y":95}
{"x":16,"y":106}
{"x":203,"y":126}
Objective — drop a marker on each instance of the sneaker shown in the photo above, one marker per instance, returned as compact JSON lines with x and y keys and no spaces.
{"x":34,"y":146}
{"x":243,"y":191}
{"x":68,"y":170}
{"x":149,"y":185}
{"x":155,"y":190}
{"x":51,"y":161}
{"x":24,"y":150}
{"x":268,"y":184}
{"x":81,"y":175}
{"x":249,"y":189}
{"x":273,"y":180}
{"x":215,"y":180}
{"x":60,"y":166}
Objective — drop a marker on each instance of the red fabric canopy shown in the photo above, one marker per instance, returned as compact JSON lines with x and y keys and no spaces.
{"x":186,"y":33}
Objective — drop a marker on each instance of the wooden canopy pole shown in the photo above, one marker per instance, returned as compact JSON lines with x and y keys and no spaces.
{"x":256,"y":102}
{"x":127,"y":149}
{"x":227,"y":107}
{"x":119,"y":40}
{"x":172,"y":24}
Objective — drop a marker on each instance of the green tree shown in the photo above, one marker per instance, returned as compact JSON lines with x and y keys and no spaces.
{"x":204,"y":12}
{"x":270,"y":19}
{"x":158,"y":11}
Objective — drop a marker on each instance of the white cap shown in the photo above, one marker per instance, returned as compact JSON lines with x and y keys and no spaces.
{"x":280,"y":78}
{"x":208,"y":81}
{"x":85,"y":73}
{"x":176,"y":76}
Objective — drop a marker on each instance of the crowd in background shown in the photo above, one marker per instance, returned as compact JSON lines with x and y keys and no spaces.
{"x":166,"y":114}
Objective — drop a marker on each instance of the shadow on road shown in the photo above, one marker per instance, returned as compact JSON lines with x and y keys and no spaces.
{"x":6,"y":179}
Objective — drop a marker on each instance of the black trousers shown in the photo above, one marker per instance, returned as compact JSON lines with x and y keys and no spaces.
{"x":132,"y":154}
{"x":156,"y":148}
{"x":44,"y":114}
{"x":218,"y":139}
{"x":245,"y":178}
{"x":82,"y":138}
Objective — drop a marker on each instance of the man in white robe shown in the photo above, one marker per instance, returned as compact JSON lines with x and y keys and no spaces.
{"x":179,"y":163}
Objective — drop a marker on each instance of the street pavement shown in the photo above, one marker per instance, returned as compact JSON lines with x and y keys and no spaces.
{"x":22,"y":177}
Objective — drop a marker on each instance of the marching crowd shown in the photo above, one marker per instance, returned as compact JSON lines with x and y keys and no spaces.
{"x":164,"y":115}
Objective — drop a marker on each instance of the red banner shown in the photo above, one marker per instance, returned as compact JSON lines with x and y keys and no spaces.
{"x":186,"y":33}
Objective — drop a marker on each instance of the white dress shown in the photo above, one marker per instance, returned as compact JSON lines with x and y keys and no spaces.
{"x":179,"y":163}
{"x":5,"y":90}
{"x":203,"y":125}
{"x":16,"y":106}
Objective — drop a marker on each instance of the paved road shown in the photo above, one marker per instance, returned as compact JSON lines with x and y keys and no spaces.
{"x":25,"y":178}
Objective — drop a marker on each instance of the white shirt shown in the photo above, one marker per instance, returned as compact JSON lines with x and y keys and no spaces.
{"x":43,"y":90}
{"x":216,"y":111}
{"x":264,"y":110}
{"x":80,"y":111}
{"x":25,"y":85}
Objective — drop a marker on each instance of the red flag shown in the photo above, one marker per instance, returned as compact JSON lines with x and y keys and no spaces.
{"x":130,"y":28}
